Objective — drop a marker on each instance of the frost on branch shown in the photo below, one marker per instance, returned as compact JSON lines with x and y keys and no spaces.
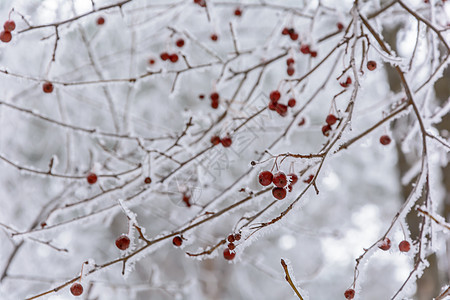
{"x":184,"y":148}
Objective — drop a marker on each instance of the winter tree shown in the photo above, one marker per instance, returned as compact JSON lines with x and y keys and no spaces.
{"x":208,"y":149}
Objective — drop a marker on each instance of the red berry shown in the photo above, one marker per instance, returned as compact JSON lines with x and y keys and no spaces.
{"x":310,"y":178}
{"x":9,"y":25}
{"x":385,"y":244}
{"x":214,"y":96}
{"x":292,"y":102}
{"x":237,"y":236}
{"x":147,"y":180}
{"x":100,"y":21}
{"x":228,"y":255}
{"x":238,"y":12}
{"x":290,"y":61}
{"x":326,"y":130}
{"x":279,"y":193}
{"x":285,"y":31}
{"x":226,"y":142}
{"x":294,"y":36}
{"x":201,"y":96}
{"x":164,"y":56}
{"x":123,"y":242}
{"x":215,"y":140}
{"x":349,"y":294}
{"x":47,"y":87}
{"x":180,"y":43}
{"x":404,"y":246}
{"x":91,"y":178}
{"x":290,"y":71}
{"x":215,"y":104}
{"x":347,"y":82}
{"x":272,"y":105}
{"x":214,"y":37}
{"x":340,"y":26}
{"x":280,"y":179}
{"x":173,"y":58}
{"x":291,"y":31}
{"x":293,"y":178}
{"x":313,"y":53}
{"x":231,"y":246}
{"x":302,"y":122}
{"x":385,"y":140}
{"x":265,"y":178}
{"x":281,"y":109}
{"x":275,"y":96}
{"x":5,"y":36}
{"x":151,"y":61}
{"x":177,"y":241}
{"x":231,"y":239}
{"x":331,"y":119}
{"x":76,"y":289}
{"x":371,"y":65}
{"x":305,"y":49}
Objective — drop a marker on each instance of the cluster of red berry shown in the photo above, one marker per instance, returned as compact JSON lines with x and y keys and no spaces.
{"x":306,"y":49}
{"x":291,"y":32}
{"x":229,"y":252}
{"x":225,"y":141}
{"x":290,"y":66}
{"x":214,"y":100}
{"x":279,"y":180}
{"x":172,"y":57}
{"x":5,"y":35}
{"x":330,"y":120}
{"x":281,"y":109}
{"x":403,"y":246}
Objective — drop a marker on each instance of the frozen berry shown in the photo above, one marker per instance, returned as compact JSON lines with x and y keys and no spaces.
{"x":151,"y":61}
{"x":186,"y":199}
{"x":164,"y":56}
{"x":5,"y":36}
{"x":313,"y":53}
{"x":214,"y":37}
{"x":265,"y":178}
{"x":238,"y":12}
{"x":385,"y":140}
{"x":230,"y":239}
{"x":214,"y":96}
{"x":9,"y":25}
{"x":326,"y":130}
{"x":331,"y":119}
{"x":76,"y":289}
{"x":231,"y":246}
{"x":123,"y":242}
{"x":285,"y":31}
{"x":290,"y":71}
{"x":215,"y":140}
{"x":237,"y":236}
{"x":91,"y":178}
{"x":371,"y":65}
{"x":279,"y":179}
{"x":180,"y":43}
{"x":100,"y":21}
{"x":272,"y":105}
{"x":228,"y":255}
{"x":226,"y":142}
{"x":201,"y":96}
{"x":177,"y":241}
{"x":292,"y":102}
{"x":215,"y":104}
{"x":305,"y":49}
{"x":281,"y":109}
{"x":173,"y":58}
{"x":302,"y":122}
{"x":404,"y":246}
{"x":349,"y":294}
{"x":275,"y":96}
{"x":385,"y":244}
{"x":290,"y":61}
{"x":310,"y":178}
{"x":294,"y":36}
{"x":293,"y":178}
{"x":279,"y":193}
{"x":340,"y":26}
{"x":47,"y":87}
{"x":147,"y":180}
